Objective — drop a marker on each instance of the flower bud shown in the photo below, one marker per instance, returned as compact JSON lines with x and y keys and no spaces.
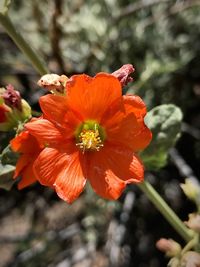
{"x":13,"y":109}
{"x":191,"y":189}
{"x":194,"y":222}
{"x":169,"y":246}
{"x":12,"y":98}
{"x":190,"y":259}
{"x":123,"y":74}
{"x":174,"y":262}
{"x":54,"y":83}
{"x":4,"y":111}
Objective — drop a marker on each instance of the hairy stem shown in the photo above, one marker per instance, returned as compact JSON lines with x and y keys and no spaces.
{"x":22,"y":44}
{"x":166,"y":211}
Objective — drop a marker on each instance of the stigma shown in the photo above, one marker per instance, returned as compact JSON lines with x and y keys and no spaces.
{"x":90,"y":139}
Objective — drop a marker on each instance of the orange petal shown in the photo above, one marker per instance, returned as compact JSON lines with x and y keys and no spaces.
{"x":71,"y":180}
{"x":91,"y":97}
{"x":62,"y":171}
{"x":54,"y":107}
{"x":25,"y":143}
{"x":45,"y":132}
{"x":22,"y":162}
{"x":28,"y":176}
{"x":112,"y":168}
{"x":135,"y":104}
{"x":125,"y":126}
{"x":47,"y":166}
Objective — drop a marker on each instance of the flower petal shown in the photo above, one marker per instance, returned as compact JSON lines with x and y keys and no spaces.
{"x":47,"y":166}
{"x":125,"y":125}
{"x":25,"y":143}
{"x":92,"y":96}
{"x":22,"y":162}
{"x":112,"y":168}
{"x":135,"y":104}
{"x":62,"y":171}
{"x":54,"y":107}
{"x":71,"y":180}
{"x":28,"y":176}
{"x":45,"y":132}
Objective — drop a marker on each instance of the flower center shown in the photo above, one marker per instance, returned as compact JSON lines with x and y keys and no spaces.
{"x":90,"y":136}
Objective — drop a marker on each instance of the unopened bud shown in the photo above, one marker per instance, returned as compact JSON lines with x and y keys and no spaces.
{"x":194,"y":222}
{"x":174,"y":262}
{"x":13,"y":109}
{"x":54,"y":83}
{"x":12,"y":97}
{"x":169,"y":246}
{"x":190,"y":259}
{"x":123,"y":74}
{"x":4,"y":118}
{"x":191,"y":189}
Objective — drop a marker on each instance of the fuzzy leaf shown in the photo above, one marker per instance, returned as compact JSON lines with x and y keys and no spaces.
{"x":165,"y":124}
{"x":6,"y":174}
{"x":8,"y":156}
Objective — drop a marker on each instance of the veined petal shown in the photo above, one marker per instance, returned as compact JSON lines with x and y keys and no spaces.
{"x":135,"y":104}
{"x":63,"y":171}
{"x":91,"y":97}
{"x":54,"y":107}
{"x":28,"y":176}
{"x":23,"y":161}
{"x":112,"y":168}
{"x":25,"y":143}
{"x":48,"y":165}
{"x":71,"y":180}
{"x":45,"y":132}
{"x":125,"y":125}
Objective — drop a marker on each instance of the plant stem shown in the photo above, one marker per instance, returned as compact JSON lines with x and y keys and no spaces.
{"x":22,"y":44}
{"x":193,"y":242}
{"x":166,"y":211}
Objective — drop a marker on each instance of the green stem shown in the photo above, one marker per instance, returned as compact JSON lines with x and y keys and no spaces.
{"x":192,"y":243}
{"x":22,"y":44}
{"x":166,"y":211}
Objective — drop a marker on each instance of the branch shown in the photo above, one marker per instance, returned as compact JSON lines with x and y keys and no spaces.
{"x":22,"y":44}
{"x":133,"y":8}
{"x":173,"y":10}
{"x":56,"y":34}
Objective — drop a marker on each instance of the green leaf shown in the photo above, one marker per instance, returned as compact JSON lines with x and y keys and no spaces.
{"x":165,"y":124}
{"x":8,"y":156}
{"x":6,"y":176}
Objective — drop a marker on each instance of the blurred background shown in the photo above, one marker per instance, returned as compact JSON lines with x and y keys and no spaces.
{"x":162,"y":40}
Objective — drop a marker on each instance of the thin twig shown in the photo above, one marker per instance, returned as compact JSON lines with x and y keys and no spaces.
{"x":56,"y":34}
{"x":194,"y":132}
{"x":133,"y":8}
{"x":184,"y":169}
{"x":31,"y":55}
{"x":173,"y":10}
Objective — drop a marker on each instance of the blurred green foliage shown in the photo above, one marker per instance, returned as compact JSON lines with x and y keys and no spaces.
{"x":160,"y":38}
{"x":165,"y":124}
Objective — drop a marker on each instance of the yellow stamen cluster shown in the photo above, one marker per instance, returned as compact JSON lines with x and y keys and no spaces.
{"x":90,"y":140}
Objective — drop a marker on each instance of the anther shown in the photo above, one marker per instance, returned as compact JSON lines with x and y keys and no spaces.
{"x":90,"y":140}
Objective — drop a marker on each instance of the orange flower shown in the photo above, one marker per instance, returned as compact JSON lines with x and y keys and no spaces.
{"x":91,"y":133}
{"x":28,"y":146}
{"x":3,"y":110}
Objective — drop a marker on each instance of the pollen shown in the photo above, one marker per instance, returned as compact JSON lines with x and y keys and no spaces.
{"x":90,"y":140}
